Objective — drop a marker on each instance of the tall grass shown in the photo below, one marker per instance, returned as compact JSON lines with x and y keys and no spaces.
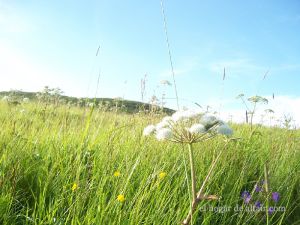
{"x":44,"y":152}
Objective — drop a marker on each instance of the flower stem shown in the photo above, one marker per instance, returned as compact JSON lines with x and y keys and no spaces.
{"x":267,"y":191}
{"x":200,"y":195}
{"x":193,"y":177}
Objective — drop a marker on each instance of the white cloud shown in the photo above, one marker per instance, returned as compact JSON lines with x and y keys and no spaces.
{"x":19,"y":71}
{"x":246,"y":67}
{"x":237,"y":67}
{"x":185,"y":67}
{"x":232,"y":110}
{"x":168,"y":73}
{"x":281,"y":105}
{"x":288,"y":66}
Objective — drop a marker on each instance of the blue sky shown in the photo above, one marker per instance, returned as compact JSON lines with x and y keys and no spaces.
{"x":54,"y":43}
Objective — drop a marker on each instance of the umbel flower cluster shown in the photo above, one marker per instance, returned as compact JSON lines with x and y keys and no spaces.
{"x":188,"y":126}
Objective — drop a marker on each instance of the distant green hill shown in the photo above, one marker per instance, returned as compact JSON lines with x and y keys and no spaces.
{"x":110,"y":103}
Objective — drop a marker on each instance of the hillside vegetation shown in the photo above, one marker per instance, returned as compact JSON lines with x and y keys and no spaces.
{"x":55,"y":96}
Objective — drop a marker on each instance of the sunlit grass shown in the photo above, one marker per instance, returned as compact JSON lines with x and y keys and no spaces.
{"x":66,"y":165}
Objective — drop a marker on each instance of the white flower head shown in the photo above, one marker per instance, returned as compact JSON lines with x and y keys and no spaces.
{"x":177,"y":116}
{"x":91,"y":104}
{"x":162,"y":124}
{"x":163,"y":134}
{"x":183,"y":115}
{"x":149,"y":130}
{"x":192,"y":114}
{"x":208,"y":120}
{"x":25,"y":100}
{"x":165,"y":82}
{"x":224,"y":129}
{"x":197,"y":129}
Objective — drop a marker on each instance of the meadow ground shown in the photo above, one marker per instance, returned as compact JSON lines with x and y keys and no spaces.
{"x":61,"y":165}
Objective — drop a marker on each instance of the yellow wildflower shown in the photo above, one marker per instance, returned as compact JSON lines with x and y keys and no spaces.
{"x":117,"y":173}
{"x":74,"y":187}
{"x":121,"y":198}
{"x":162,"y":175}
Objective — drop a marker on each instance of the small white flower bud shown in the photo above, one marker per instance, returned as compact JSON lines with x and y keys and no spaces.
{"x":163,"y":134}
{"x":149,"y":130}
{"x":197,"y":129}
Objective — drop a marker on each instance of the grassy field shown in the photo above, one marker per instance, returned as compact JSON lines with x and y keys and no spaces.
{"x":69,"y":165}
